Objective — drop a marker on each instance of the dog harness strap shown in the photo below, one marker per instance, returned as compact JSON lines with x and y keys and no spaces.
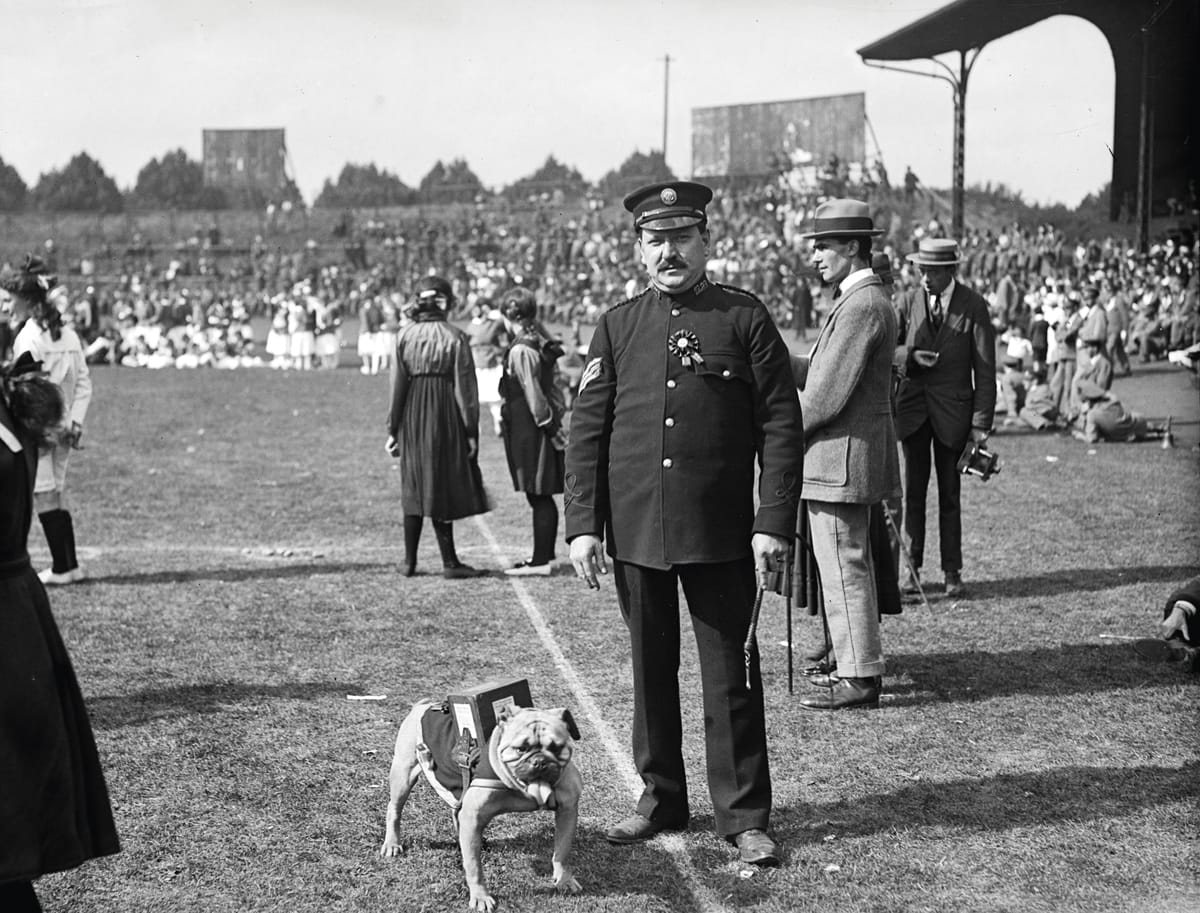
{"x":429,"y":768}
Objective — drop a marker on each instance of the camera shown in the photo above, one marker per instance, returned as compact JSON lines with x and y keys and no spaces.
{"x":977,"y":461}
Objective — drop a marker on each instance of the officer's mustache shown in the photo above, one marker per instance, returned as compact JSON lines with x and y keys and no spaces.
{"x":673,"y":263}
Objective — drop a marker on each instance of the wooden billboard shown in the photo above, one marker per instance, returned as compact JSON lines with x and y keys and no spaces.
{"x":761,"y":139}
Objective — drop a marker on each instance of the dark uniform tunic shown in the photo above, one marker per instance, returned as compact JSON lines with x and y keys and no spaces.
{"x":662,"y":454}
{"x":661,"y":463}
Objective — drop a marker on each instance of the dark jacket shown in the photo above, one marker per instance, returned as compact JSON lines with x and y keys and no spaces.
{"x":661,"y":454}
{"x":959,"y":392}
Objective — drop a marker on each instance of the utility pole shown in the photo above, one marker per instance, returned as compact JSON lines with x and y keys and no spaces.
{"x":666,"y":96}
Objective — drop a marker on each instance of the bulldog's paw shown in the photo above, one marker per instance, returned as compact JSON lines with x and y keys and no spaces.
{"x":482,"y":901}
{"x":391,"y":848}
{"x":567,"y":885}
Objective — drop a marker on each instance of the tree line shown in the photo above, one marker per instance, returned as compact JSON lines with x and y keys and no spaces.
{"x":177,"y":182}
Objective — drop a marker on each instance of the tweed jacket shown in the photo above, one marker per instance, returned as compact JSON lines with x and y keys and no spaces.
{"x":662,"y":448}
{"x":845,"y":397}
{"x":959,"y":392}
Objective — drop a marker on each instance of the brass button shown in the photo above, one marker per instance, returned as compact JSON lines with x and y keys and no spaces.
{"x":670,"y":385}
{"x":670,"y":423}
{"x":674,"y":312}
{"x":725,"y":373}
{"x":667,"y":463}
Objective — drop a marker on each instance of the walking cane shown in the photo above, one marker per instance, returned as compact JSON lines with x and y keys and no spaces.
{"x":912,"y":571}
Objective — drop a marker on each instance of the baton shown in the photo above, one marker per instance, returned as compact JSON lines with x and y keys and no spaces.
{"x":748,"y":646}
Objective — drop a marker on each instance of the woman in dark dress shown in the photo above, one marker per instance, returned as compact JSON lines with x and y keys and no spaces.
{"x":54,"y":809}
{"x":531,"y":423}
{"x":433,"y":427}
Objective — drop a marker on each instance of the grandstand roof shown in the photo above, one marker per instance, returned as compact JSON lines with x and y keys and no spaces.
{"x":1153,"y":46}
{"x":962,"y":25}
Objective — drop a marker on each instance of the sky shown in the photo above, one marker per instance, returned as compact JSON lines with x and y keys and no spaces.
{"x":505,"y":83}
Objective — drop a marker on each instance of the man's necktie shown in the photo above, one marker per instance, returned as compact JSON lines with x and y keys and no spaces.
{"x":935,"y":311}
{"x":837,"y":292}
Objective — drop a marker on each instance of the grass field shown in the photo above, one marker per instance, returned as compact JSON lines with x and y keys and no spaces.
{"x":242,"y":531}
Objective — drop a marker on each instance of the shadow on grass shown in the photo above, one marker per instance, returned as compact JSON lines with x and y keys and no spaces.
{"x":921,"y":678}
{"x":267,"y":571}
{"x":1078,"y":580}
{"x":603,"y":870}
{"x":997,"y":803}
{"x":186,"y":700}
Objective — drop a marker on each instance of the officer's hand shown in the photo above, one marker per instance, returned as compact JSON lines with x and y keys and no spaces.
{"x":392,"y":448}
{"x":770,"y":557}
{"x":978,"y":436}
{"x":587,"y":557}
{"x":472,"y":448}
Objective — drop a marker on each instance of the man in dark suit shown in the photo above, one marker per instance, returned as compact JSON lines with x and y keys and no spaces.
{"x":947,"y":396}
{"x":686,"y":385}
{"x":850,"y":458}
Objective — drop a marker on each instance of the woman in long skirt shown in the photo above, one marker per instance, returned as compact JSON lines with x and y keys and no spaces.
{"x":433,"y":427}
{"x":54,"y":807}
{"x":532,"y":424}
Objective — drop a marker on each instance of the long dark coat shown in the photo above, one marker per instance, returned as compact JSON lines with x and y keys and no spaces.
{"x":54,"y":808}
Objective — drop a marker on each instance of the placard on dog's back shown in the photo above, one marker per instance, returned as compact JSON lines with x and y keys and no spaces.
{"x":476,"y":708}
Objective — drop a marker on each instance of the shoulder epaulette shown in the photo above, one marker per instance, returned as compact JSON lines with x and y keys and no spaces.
{"x":738,"y":291}
{"x":621,"y":304}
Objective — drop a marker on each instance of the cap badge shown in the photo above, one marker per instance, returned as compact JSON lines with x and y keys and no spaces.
{"x":669,"y":196}
{"x":685,"y":345}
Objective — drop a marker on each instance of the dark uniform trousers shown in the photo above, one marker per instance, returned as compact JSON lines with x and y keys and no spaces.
{"x":720,"y":598}
{"x":949,"y":484}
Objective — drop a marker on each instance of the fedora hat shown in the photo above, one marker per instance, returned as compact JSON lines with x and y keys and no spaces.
{"x":842,"y":218}
{"x":935,"y":252}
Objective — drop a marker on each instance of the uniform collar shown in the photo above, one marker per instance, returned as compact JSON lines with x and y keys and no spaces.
{"x":702,"y":285}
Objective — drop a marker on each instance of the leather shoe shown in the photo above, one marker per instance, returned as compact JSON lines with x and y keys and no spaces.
{"x":637,"y":829}
{"x":462,"y":571}
{"x":824,"y":679}
{"x":954,"y":584}
{"x":846,"y":693}
{"x":825,"y":667}
{"x":910,"y":587}
{"x":818,"y":653}
{"x":756,"y":848}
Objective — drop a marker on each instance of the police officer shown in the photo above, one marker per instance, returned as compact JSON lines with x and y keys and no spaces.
{"x":686,"y":385}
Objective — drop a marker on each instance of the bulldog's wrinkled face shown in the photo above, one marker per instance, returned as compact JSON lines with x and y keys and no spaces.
{"x":535,"y":745}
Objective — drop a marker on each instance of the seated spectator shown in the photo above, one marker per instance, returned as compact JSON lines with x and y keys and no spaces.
{"x":1040,"y":411}
{"x":1105,"y":418}
{"x":1179,"y":632}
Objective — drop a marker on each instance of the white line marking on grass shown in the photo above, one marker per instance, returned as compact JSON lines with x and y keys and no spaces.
{"x":674,"y":844}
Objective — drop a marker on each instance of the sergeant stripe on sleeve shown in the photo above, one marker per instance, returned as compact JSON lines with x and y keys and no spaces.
{"x":590,"y":372}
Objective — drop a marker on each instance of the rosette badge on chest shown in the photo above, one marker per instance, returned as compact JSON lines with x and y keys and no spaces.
{"x":685,"y":345}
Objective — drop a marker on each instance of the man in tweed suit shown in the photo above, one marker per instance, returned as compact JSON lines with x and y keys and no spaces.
{"x":947,"y":396}
{"x":850,"y":457}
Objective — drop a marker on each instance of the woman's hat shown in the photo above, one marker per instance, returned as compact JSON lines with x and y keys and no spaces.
{"x":935,"y":252}
{"x":841,"y":218}
{"x":519,"y":304}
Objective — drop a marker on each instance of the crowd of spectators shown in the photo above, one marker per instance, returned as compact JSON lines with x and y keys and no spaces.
{"x":197,"y":304}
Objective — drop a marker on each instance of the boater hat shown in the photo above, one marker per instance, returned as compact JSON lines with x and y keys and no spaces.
{"x":669,"y":205}
{"x":935,"y":252}
{"x":842,"y":218}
